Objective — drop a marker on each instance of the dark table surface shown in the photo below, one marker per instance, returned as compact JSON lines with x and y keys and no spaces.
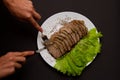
{"x":19,"y":36}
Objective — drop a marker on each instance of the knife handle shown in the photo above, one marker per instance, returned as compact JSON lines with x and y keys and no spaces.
{"x":39,"y":50}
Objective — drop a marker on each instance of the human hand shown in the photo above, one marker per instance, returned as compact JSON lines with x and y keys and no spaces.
{"x":12,"y":61}
{"x":24,"y":11}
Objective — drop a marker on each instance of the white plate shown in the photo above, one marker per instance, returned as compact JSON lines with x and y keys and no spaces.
{"x":52,"y":24}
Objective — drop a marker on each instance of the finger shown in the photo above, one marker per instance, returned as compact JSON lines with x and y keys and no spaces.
{"x":35,"y":24}
{"x":13,"y":64}
{"x":30,"y":2}
{"x":14,"y":54}
{"x":27,"y":53}
{"x":18,"y":65}
{"x":20,"y":59}
{"x":9,"y":71}
{"x":18,"y":54}
{"x":36,"y":15}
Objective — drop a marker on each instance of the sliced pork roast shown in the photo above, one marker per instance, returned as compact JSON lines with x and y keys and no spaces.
{"x":66,"y":38}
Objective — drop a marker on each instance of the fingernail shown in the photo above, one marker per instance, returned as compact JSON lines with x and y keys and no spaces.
{"x":32,"y":52}
{"x":41,"y":30}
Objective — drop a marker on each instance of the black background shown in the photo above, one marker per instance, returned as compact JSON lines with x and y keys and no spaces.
{"x":19,"y":36}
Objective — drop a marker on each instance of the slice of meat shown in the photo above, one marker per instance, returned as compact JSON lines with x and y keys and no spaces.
{"x":57,"y":36}
{"x":72,"y":34}
{"x":75,"y":31}
{"x":76,"y":28}
{"x":64,"y":40}
{"x":82,"y":26}
{"x":54,"y":51}
{"x":60,"y":46}
{"x":67,"y":31}
{"x":69,"y":37}
{"x":61,"y":42}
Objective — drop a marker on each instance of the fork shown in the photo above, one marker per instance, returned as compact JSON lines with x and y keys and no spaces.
{"x":45,"y":38}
